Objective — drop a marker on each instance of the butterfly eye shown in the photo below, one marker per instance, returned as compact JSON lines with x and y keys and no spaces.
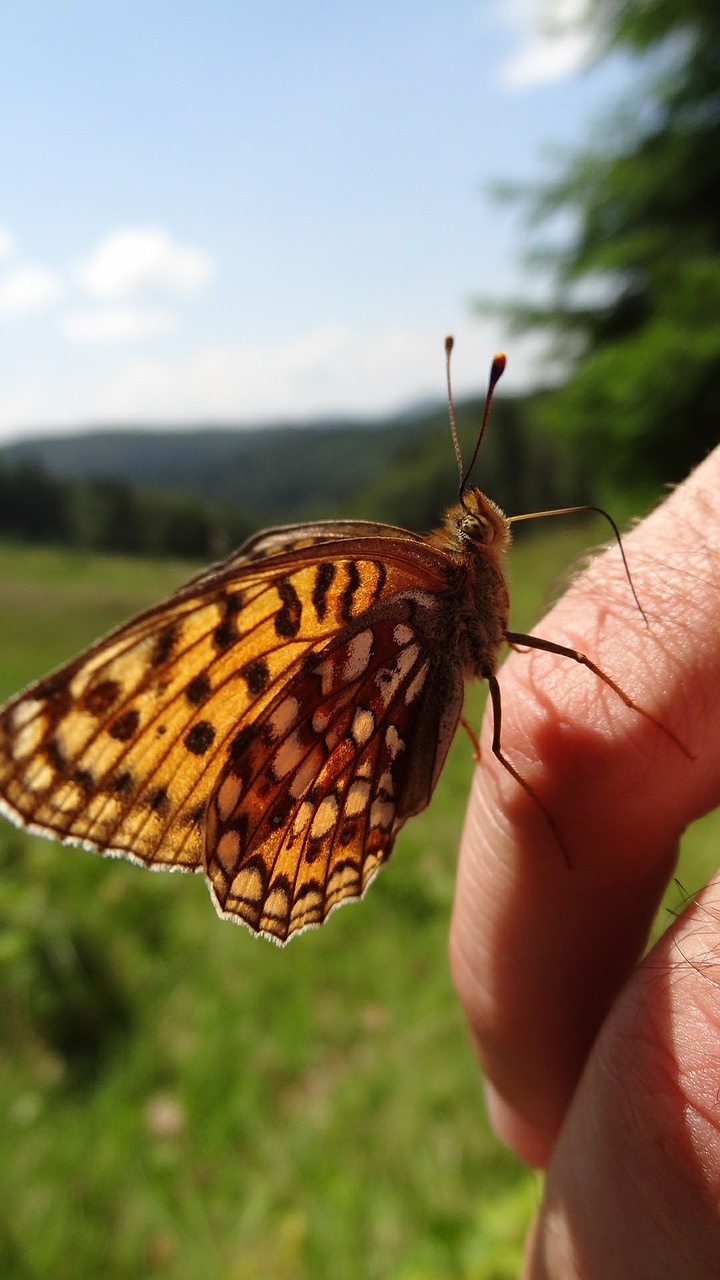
{"x":475,"y":528}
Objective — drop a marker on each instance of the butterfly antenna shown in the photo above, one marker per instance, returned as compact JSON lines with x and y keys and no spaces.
{"x":497,"y":369}
{"x":569,"y":511}
{"x":449,"y":344}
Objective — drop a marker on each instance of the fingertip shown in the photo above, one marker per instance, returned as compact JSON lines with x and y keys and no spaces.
{"x":515,"y":1130}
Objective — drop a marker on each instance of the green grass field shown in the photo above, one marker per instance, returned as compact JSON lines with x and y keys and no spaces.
{"x":182,"y":1100}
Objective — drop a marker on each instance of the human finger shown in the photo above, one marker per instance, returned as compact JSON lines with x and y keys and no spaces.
{"x":633,"y":1188}
{"x":539,"y":951}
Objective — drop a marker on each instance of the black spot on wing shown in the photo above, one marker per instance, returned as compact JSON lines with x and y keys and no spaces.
{"x":198,"y":690}
{"x":225,"y":634}
{"x":123,"y":783}
{"x":232,"y":603}
{"x":313,"y":849}
{"x":288,"y":618}
{"x":101,"y":697}
{"x":324,"y":575}
{"x":381,"y":578}
{"x":241,"y":741}
{"x":351,"y":588}
{"x":200,"y":737}
{"x":164,"y":645}
{"x":84,"y":779}
{"x":256,"y":675}
{"x":159,"y":800}
{"x":126,"y":726}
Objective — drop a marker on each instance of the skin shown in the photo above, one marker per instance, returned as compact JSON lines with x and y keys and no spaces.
{"x":601,"y":1067}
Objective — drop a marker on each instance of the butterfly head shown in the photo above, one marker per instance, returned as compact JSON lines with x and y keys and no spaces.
{"x":475,"y":524}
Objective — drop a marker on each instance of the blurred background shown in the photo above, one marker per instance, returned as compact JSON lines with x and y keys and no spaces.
{"x":232,"y":239}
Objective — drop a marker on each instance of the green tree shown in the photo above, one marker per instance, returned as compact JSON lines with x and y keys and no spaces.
{"x":635,"y":303}
{"x":33,"y":505}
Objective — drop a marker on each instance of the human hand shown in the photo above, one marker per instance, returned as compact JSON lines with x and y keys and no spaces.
{"x":602,"y":1069}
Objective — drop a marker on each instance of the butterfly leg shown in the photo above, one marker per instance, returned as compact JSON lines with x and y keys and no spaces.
{"x":515,"y":638}
{"x":497,"y":751}
{"x":472,"y":736}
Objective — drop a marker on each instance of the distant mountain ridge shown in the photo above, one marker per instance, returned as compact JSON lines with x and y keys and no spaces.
{"x":400,"y":469}
{"x":260,"y":469}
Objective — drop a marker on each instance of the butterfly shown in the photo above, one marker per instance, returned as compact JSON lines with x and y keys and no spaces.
{"x":275,"y":721}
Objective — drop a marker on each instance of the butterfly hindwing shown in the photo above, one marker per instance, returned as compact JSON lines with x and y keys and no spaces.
{"x":309,"y":803}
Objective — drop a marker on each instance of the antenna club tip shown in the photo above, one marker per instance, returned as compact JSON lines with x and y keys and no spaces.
{"x":497,"y":368}
{"x":449,"y":344}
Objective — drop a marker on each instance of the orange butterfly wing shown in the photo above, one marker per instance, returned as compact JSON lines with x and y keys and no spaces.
{"x":171,"y":741}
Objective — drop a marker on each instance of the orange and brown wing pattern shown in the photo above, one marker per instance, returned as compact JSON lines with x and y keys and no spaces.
{"x":315,"y":790}
{"x":121,"y":749}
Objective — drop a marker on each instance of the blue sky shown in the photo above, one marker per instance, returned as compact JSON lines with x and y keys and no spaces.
{"x":244,"y":212}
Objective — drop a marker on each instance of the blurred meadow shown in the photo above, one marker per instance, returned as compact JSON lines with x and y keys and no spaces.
{"x":181,"y":1099}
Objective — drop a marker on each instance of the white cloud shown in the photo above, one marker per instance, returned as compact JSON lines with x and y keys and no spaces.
{"x":554,"y":41}
{"x":7,"y":243}
{"x":541,"y":61}
{"x":332,"y":372}
{"x":141,"y":259}
{"x":27,"y":289}
{"x":115,"y":324}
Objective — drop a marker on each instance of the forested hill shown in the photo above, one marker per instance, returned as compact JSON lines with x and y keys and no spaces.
{"x":400,"y":469}
{"x":259,"y":469}
{"x":200,"y":492}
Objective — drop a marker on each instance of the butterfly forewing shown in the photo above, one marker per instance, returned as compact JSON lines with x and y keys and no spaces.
{"x":125,"y":748}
